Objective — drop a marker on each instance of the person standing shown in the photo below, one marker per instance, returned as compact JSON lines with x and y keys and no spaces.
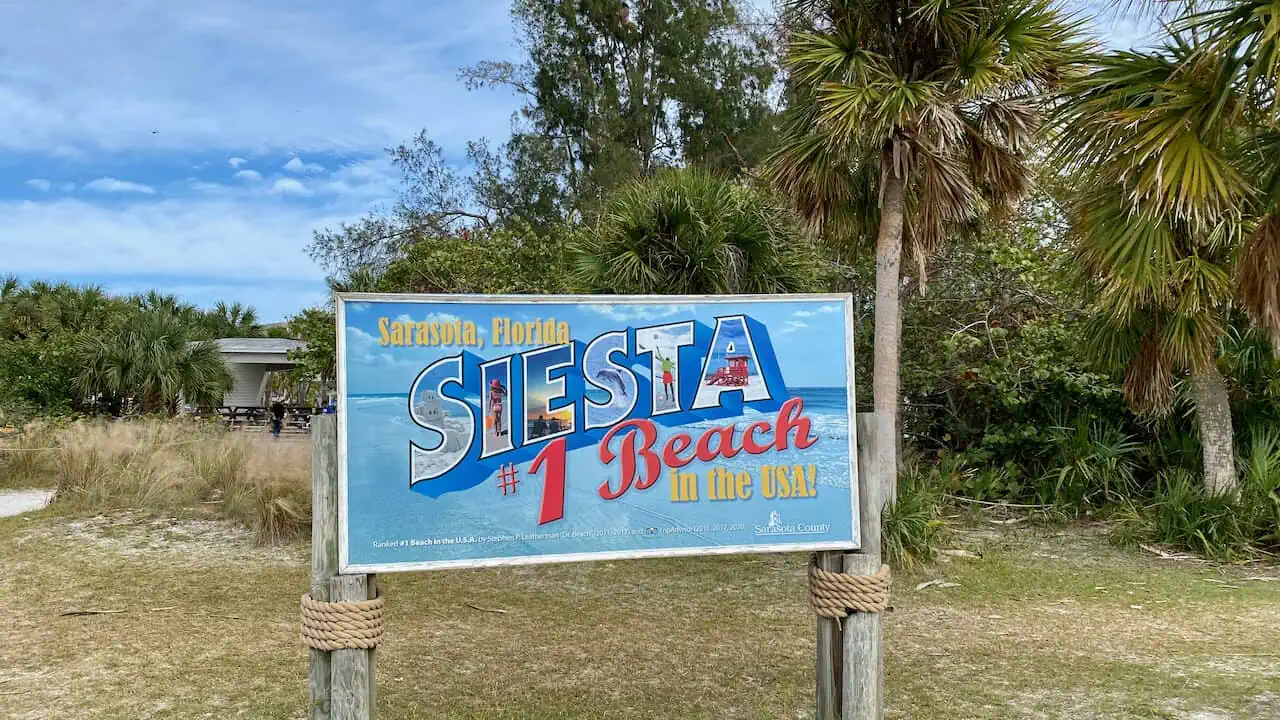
{"x":277,"y":418}
{"x":496,"y":394}
{"x":668,"y":367}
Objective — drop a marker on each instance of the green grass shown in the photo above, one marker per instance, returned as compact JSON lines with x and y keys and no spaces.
{"x":211,"y":631}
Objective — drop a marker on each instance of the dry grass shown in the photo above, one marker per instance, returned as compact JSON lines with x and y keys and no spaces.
{"x":1044,"y":625}
{"x":25,"y":458}
{"x":169,"y":468}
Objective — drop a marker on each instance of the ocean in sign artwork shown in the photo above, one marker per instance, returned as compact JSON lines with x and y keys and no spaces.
{"x":497,"y":430}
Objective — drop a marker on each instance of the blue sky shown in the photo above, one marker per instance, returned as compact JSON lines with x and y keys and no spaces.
{"x":193,"y":147}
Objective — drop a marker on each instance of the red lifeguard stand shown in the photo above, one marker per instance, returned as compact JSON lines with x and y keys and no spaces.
{"x":734,"y":374}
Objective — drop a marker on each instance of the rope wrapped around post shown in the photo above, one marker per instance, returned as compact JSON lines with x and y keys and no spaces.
{"x":332,"y":626}
{"x":836,"y":594}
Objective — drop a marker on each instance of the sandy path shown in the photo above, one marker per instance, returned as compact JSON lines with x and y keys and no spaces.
{"x":16,"y":502}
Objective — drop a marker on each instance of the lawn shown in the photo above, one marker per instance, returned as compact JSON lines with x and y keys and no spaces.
{"x":1047,"y":623}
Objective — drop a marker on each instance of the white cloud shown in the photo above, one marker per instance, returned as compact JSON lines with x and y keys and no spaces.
{"x":439,"y":317}
{"x":289,"y":186}
{"x":68,"y":187}
{"x":40,"y":184}
{"x":363,"y":184}
{"x":629,"y":313}
{"x":296,"y":165}
{"x":363,"y":349}
{"x":792,"y":326}
{"x":210,"y":237}
{"x":666,"y":338}
{"x":113,"y":185}
{"x":360,"y":346}
{"x":246,"y":76}
{"x":365,"y":179}
{"x":236,"y":162}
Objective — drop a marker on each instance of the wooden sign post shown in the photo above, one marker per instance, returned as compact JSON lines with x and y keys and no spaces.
{"x":342,"y":681}
{"x":850,"y":667}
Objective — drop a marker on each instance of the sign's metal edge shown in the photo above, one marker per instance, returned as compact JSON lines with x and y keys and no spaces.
{"x":345,"y":567}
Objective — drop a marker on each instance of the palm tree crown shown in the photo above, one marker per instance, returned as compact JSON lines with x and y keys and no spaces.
{"x":1178,"y":167}
{"x":942,"y":96}
{"x":685,"y":232}
{"x":152,"y":359}
{"x":910,"y":119}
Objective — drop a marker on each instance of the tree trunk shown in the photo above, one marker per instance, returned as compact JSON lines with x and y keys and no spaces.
{"x":888,"y":331}
{"x":1213,"y":416}
{"x":153,"y":403}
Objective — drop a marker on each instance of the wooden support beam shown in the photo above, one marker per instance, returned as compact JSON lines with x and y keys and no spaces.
{"x":352,"y":674}
{"x":863,"y":666}
{"x":830,"y":650}
{"x":324,"y":545}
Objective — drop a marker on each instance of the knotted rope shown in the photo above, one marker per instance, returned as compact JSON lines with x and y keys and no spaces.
{"x":341,"y":625}
{"x":835,"y":594}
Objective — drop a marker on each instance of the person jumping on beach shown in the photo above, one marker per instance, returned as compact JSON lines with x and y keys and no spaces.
{"x":668,"y":367}
{"x":496,"y":394}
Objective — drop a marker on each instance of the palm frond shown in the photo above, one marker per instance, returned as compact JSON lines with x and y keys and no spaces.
{"x":1189,"y":339}
{"x":828,"y":183}
{"x":1133,"y":253}
{"x":1244,"y":29}
{"x":1155,"y":123}
{"x":1148,"y":381}
{"x":950,"y":18}
{"x":1258,"y":277}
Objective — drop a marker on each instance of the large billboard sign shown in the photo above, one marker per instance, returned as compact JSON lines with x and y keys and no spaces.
{"x":501,"y":430}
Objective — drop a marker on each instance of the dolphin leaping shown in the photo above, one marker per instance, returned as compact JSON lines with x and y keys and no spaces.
{"x":612,"y":377}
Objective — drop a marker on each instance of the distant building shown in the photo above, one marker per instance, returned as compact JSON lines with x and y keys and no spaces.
{"x":250,"y":362}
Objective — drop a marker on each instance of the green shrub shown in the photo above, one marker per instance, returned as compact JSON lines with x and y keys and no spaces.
{"x":1090,"y":464}
{"x":1185,"y":515}
{"x":912,"y":528}
{"x":1260,"y":489}
{"x":684,"y":231}
{"x":1223,"y":527}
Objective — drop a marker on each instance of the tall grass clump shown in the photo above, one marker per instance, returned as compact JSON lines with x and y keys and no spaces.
{"x":270,"y":492}
{"x":25,"y":458}
{"x":181,"y":469}
{"x":912,"y":528}
{"x":1225,"y":527}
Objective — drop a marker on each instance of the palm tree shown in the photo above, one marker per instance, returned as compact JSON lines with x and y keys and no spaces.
{"x":186,"y":313}
{"x":1247,"y":34}
{"x":151,"y":359}
{"x":230,"y":321}
{"x":43,"y":309}
{"x":686,"y":232}
{"x":911,"y":119}
{"x":1180,"y":186}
